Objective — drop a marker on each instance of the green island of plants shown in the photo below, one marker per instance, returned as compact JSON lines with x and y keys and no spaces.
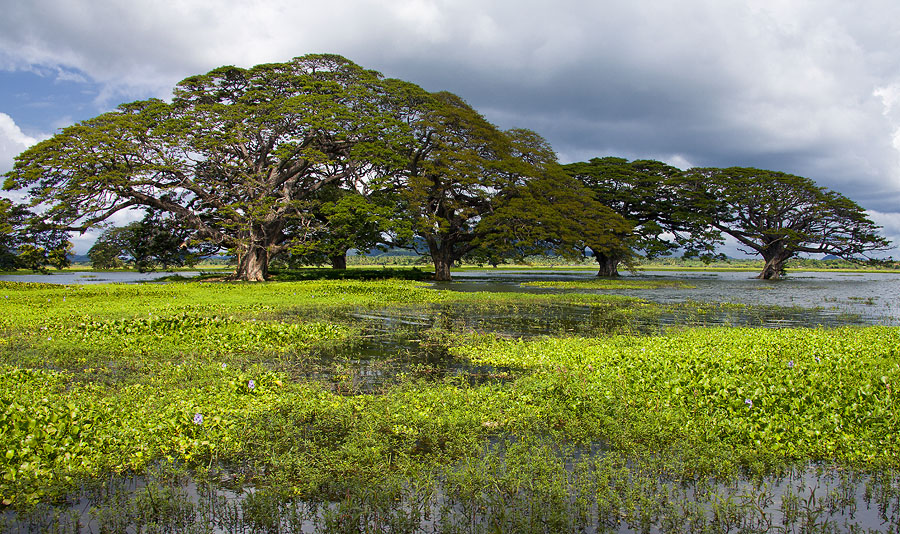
{"x":127,"y":395}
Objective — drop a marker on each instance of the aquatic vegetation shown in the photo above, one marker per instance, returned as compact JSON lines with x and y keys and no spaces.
{"x":56,"y":431}
{"x":813,"y":394}
{"x":491,"y":409}
{"x":208,"y":335}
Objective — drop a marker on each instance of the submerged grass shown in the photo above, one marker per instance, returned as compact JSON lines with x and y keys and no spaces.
{"x":103,"y":382}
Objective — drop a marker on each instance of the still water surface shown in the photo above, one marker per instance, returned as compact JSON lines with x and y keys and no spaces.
{"x":92,"y":277}
{"x":827,"y":297}
{"x":874,"y":297}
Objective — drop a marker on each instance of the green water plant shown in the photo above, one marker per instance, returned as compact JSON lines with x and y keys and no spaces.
{"x":476,"y":427}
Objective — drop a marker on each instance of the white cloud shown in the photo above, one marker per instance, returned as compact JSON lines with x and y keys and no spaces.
{"x":676,"y":160}
{"x":12,"y":142}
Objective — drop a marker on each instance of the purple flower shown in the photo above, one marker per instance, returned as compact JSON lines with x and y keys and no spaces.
{"x":791,"y":364}
{"x":818,"y":359}
{"x":251,"y":384}
{"x":198,"y":418}
{"x":748,"y":402}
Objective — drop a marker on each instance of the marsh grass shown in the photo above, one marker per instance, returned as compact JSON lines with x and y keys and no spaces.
{"x":510,"y":485}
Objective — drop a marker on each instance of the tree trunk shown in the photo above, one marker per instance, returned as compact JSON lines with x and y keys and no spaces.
{"x":609,"y":264}
{"x":253,"y":265}
{"x":339,"y":261}
{"x":442,"y":263}
{"x":774,"y":267}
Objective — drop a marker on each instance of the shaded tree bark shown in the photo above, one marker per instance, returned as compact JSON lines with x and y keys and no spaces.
{"x":253,"y":265}
{"x":339,"y":261}
{"x":775,"y":256}
{"x":443,"y":261}
{"x":609,"y":264}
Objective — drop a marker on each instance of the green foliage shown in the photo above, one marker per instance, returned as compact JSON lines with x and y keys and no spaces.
{"x":757,"y":394}
{"x":156,"y":241}
{"x":234,"y":156}
{"x":56,"y":431}
{"x":779,"y":215}
{"x":12,"y":217}
{"x":27,"y":242}
{"x":107,"y":379}
{"x":650,"y":195}
{"x":552,"y":213}
{"x":345,"y":220}
{"x":32,"y":257}
{"x":197,"y":333}
{"x":459,"y":166}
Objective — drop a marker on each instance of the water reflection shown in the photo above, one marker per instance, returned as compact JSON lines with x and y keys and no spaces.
{"x":93,"y":277}
{"x":874,"y":297}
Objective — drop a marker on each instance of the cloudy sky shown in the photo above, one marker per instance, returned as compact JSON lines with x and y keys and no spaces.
{"x":806,"y":87}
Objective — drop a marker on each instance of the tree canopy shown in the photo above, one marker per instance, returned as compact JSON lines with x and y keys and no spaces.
{"x":26,"y":241}
{"x":233,"y":157}
{"x":345,"y":219}
{"x":155,"y":242}
{"x":473,"y":190}
{"x":459,"y":166}
{"x":306,"y":159}
{"x":778,"y":215}
{"x":650,"y":195}
{"x":549,"y":211}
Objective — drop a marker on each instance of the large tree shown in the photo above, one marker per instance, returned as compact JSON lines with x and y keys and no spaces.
{"x":778,"y":215}
{"x":12,"y":218}
{"x":347,"y":219}
{"x":234,"y":156}
{"x":548,"y":212}
{"x":650,"y":195}
{"x":459,"y":166}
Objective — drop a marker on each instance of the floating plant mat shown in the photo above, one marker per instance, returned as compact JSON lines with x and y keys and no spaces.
{"x":391,"y":401}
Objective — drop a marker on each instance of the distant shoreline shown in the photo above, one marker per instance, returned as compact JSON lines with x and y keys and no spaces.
{"x":748,"y":266}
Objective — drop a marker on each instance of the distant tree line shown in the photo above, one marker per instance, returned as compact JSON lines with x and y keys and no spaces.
{"x":299,"y":162}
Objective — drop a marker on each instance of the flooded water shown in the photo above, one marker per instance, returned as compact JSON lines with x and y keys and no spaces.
{"x":873,"y":297}
{"x":93,"y":277}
